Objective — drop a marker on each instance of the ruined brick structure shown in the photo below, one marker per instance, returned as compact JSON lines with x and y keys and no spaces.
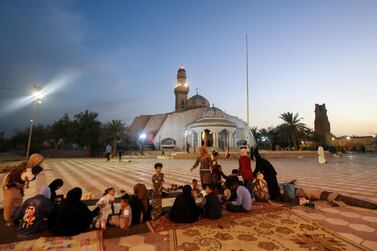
{"x":322,"y":125}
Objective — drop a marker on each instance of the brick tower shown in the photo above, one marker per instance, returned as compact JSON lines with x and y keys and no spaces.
{"x":322,"y":124}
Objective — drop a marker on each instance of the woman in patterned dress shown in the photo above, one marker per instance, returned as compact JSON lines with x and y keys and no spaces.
{"x":205,"y":167}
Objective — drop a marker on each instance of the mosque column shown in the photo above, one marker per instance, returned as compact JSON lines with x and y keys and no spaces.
{"x":230,"y":139}
{"x":192,"y":138}
{"x":214,"y":138}
{"x":200,"y":135}
{"x":227,"y":139}
{"x":234,"y":140}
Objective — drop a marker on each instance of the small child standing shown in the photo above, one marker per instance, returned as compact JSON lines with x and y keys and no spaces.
{"x":124,"y":219}
{"x":158,"y":182}
{"x":105,"y":204}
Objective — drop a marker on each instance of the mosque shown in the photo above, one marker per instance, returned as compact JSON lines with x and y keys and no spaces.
{"x":194,"y":122}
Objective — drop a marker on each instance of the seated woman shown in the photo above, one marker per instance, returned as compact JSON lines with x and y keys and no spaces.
{"x":211,"y":204}
{"x":55,"y":185}
{"x":33,"y":216}
{"x":72,"y":216}
{"x":260,"y":188}
{"x":184,"y":209}
{"x":264,"y":166}
{"x":141,"y":209}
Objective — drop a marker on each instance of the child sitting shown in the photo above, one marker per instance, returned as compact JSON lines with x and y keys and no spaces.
{"x":106,"y":207}
{"x":124,"y":219}
{"x":195,"y":188}
{"x":260,"y":188}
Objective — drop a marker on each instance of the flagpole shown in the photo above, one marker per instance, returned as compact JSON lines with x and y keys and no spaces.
{"x":247,"y":92}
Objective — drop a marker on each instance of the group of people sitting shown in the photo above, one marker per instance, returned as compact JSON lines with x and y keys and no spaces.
{"x":67,"y":216}
{"x":234,"y":192}
{"x":70,"y":215}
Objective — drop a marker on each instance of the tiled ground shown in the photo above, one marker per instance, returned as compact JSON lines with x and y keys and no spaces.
{"x":94,"y":175}
{"x":356,"y":224}
{"x":350,"y":175}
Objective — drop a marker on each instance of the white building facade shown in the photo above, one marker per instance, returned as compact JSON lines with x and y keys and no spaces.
{"x":194,"y":123}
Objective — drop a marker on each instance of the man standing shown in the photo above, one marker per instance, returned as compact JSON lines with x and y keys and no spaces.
{"x":108,"y":152}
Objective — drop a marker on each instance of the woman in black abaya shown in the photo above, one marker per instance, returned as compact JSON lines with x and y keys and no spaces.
{"x":264,"y":166}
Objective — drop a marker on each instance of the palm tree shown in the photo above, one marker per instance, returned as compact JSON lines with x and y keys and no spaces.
{"x":114,"y":131}
{"x":291,"y":128}
{"x":254,"y":131}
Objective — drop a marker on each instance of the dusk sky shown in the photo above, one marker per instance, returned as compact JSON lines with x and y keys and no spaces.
{"x":120,"y":58}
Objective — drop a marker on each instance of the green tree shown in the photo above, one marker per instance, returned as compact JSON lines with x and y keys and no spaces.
{"x":113,"y":131}
{"x":86,"y":130}
{"x":61,"y":129}
{"x":39,"y":139}
{"x":291,"y":129}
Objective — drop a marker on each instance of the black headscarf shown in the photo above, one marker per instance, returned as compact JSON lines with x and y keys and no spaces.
{"x":55,"y":185}
{"x":187,"y":191}
{"x":74,"y":195}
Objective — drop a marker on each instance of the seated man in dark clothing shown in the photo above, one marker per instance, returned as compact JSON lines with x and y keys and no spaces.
{"x":184,"y":209}
{"x":212,"y":204}
{"x":72,"y":216}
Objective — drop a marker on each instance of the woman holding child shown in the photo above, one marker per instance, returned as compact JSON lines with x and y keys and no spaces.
{"x":15,"y":182}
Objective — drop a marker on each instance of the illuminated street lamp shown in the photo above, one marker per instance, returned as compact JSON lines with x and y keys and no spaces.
{"x":142,"y":138}
{"x":37,"y":97}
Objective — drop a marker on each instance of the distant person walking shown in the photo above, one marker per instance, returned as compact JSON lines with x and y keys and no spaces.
{"x":188,"y":146}
{"x":321,"y":155}
{"x":120,"y":153}
{"x":108,"y":152}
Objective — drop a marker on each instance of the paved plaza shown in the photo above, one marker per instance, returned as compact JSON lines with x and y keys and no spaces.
{"x":350,"y":175}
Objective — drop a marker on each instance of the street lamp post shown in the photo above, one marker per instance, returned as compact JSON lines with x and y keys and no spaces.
{"x":37,"y":99}
{"x":142,"y":138}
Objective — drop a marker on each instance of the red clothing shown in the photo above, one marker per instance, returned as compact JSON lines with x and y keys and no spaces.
{"x":245,"y":168}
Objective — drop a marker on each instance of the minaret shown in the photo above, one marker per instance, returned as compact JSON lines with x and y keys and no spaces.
{"x":181,"y":90}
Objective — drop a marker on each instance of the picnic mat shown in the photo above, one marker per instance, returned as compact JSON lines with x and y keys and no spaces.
{"x":279,"y":230}
{"x":164,"y":223}
{"x":83,"y":242}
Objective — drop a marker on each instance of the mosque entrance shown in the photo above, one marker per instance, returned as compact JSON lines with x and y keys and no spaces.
{"x":207,"y":138}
